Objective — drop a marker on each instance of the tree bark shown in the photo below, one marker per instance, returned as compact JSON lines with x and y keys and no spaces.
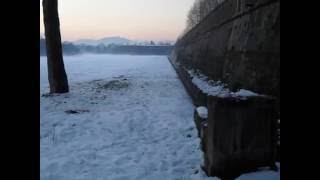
{"x":56,"y":72}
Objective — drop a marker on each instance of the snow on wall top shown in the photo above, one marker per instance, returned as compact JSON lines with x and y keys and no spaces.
{"x":217,"y":88}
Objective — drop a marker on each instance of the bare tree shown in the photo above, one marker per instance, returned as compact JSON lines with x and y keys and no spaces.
{"x":206,"y":6}
{"x":194,"y":15}
{"x":56,"y":72}
{"x":199,"y":10}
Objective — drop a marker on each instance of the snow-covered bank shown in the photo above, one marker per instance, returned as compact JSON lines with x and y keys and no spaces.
{"x":126,"y":118}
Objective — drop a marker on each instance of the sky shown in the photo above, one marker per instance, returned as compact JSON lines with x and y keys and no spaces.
{"x":133,"y":19}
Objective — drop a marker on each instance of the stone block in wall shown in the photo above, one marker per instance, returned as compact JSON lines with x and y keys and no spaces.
{"x":241,"y":135}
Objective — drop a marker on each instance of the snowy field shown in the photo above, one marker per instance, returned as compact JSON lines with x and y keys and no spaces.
{"x":125,"y":118}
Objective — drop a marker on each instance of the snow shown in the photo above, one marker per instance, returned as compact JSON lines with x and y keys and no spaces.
{"x":202,"y":112}
{"x":138,"y":130}
{"x":125,"y":118}
{"x":245,"y":93}
{"x":216,"y":88}
{"x":262,"y":175}
{"x":266,"y":175}
{"x":209,"y":87}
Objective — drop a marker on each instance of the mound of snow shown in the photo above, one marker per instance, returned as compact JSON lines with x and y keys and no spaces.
{"x":202,"y":112}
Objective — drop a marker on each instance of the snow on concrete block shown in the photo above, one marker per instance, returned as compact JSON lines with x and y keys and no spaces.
{"x":216,"y":88}
{"x":202,"y":112}
{"x":245,"y":93}
{"x":200,"y":117}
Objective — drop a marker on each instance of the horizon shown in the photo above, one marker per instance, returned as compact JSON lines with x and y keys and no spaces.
{"x":97,"y":39}
{"x":138,"y":20}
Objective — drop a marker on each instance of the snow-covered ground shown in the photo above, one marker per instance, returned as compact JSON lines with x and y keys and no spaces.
{"x":125,"y":118}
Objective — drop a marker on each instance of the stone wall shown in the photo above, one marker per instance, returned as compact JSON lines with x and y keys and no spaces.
{"x":239,"y":46}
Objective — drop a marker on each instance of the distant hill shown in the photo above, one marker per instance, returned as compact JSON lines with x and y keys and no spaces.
{"x":112,"y":45}
{"x":106,"y":41}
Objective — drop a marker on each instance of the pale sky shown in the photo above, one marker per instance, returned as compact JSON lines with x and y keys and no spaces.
{"x":133,"y":19}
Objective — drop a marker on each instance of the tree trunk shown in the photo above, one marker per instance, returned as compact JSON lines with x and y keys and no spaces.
{"x":56,"y":72}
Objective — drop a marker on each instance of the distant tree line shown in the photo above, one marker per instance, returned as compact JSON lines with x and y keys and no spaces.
{"x":129,"y":49}
{"x":67,"y":48}
{"x":71,"y":49}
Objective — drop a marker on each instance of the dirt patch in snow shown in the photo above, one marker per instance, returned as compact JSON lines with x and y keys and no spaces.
{"x":76,"y":111}
{"x":114,"y":85}
{"x":110,"y":84}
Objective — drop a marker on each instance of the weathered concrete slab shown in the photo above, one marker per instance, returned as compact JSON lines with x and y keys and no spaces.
{"x":241,"y":135}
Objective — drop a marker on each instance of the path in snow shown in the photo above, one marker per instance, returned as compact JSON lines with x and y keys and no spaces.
{"x":125,"y":118}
